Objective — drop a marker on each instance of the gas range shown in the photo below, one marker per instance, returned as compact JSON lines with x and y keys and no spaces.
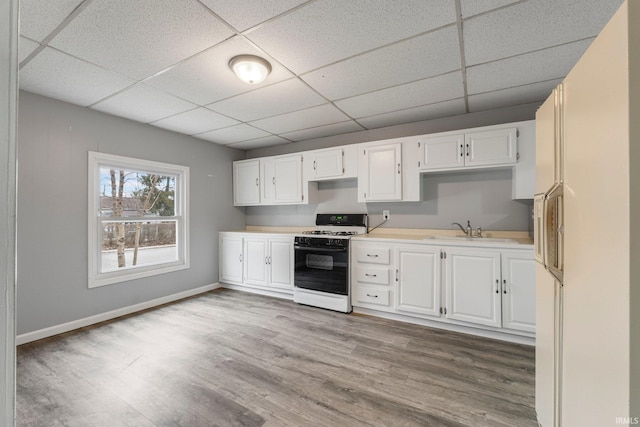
{"x":321,"y":276}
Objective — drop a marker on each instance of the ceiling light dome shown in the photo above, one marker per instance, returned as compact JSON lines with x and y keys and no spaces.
{"x":250,"y":68}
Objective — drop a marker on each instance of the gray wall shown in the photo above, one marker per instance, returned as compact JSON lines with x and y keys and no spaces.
{"x":484,"y":197}
{"x":53,"y":141}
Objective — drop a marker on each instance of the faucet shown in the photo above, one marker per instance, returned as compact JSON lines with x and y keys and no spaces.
{"x":468,"y":231}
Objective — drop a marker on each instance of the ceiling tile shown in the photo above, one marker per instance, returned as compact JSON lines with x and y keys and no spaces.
{"x":244,"y":15}
{"x":259,"y":143}
{"x":140,"y":38}
{"x":424,"y":56}
{"x":207,"y":78}
{"x":326,"y":31}
{"x":322,"y":131}
{"x":512,"y":96}
{"x":38,"y":18}
{"x":229,"y":135}
{"x":422,"y":92}
{"x":57,"y":75}
{"x":533,"y":25}
{"x":474,"y":7}
{"x":195,"y":121}
{"x":536,"y":66}
{"x":144,"y":104}
{"x":25,"y":48}
{"x":417,"y":114}
{"x":279,"y":98}
{"x":302,"y":119}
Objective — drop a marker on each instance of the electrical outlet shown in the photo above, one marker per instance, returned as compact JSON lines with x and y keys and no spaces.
{"x":385,"y":214}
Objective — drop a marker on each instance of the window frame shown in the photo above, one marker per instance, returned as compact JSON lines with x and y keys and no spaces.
{"x":96,"y":222}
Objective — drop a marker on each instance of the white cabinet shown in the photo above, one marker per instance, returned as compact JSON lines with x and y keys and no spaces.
{"x":473,"y":286}
{"x":418,"y":276}
{"x":332,"y":163}
{"x":230,"y":255}
{"x":489,"y":288}
{"x":518,"y":291}
{"x":493,"y":147}
{"x":441,"y":152}
{"x":380,"y":177}
{"x":371,"y":275}
{"x":282,"y":180}
{"x":281,"y":262}
{"x":246,"y":182}
{"x":268,"y":262}
{"x":255,"y":261}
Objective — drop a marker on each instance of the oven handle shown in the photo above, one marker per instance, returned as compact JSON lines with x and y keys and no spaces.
{"x":311,"y":248}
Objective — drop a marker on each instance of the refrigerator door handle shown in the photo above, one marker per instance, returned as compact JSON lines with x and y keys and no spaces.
{"x":538,"y":227}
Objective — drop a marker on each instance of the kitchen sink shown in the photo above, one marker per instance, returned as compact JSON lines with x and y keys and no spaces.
{"x":471,"y":239}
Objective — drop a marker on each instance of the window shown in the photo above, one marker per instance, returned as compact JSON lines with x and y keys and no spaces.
{"x":138,"y":222}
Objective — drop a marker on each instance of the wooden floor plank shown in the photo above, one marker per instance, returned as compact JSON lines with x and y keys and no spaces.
{"x":229,"y":358}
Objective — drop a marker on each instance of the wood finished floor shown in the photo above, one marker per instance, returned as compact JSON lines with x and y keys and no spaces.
{"x":232,"y":358}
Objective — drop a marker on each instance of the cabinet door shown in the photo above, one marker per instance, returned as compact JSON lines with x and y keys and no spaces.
{"x":442,"y":152}
{"x":255,"y":261}
{"x":473,"y":286}
{"x":328,"y":163}
{"x":246,"y":183}
{"x":230,"y":248}
{"x":287,"y":179}
{"x":383,"y":173}
{"x":281,"y":263}
{"x":518,"y":291}
{"x":419,"y":280}
{"x":495,"y":147}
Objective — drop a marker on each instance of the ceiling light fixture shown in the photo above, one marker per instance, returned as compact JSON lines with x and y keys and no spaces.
{"x":250,"y":68}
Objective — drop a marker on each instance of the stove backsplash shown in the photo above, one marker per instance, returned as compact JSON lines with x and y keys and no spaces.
{"x":483,"y":197}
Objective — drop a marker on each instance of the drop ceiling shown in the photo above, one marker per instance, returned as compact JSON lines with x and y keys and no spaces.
{"x":339,"y":66}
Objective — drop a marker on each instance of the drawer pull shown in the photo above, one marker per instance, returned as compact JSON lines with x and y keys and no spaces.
{"x":372,"y":296}
{"x":372,"y":255}
{"x":370,"y":275}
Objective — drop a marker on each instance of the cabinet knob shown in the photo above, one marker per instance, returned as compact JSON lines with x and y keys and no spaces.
{"x":370,"y":275}
{"x":497,"y":286}
{"x":398,"y":168}
{"x":372,"y":296}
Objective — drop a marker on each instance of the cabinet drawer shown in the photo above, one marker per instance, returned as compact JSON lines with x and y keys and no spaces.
{"x":378,"y":276}
{"x":373,"y":255}
{"x":372,"y":296}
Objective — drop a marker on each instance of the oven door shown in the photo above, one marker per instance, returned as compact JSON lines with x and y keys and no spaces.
{"x":322,"y":269}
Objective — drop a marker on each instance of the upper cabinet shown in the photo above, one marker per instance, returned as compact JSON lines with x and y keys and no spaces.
{"x":333,"y":163}
{"x":441,"y":152}
{"x":389,"y":170}
{"x":491,"y":148}
{"x":246,"y":182}
{"x":380,"y":178}
{"x":282,"y":180}
{"x":475,"y":149}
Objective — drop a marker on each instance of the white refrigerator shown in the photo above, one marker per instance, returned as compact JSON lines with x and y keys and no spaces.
{"x":548,"y":238}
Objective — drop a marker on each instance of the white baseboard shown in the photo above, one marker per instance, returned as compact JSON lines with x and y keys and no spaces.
{"x":503,"y":336}
{"x":92,"y":320}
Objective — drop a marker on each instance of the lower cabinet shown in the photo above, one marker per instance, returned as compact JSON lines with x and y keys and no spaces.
{"x":485,"y":287}
{"x":518,"y":291}
{"x":418,"y":279}
{"x":257,"y":261}
{"x":230,"y":247}
{"x":472,"y":285}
